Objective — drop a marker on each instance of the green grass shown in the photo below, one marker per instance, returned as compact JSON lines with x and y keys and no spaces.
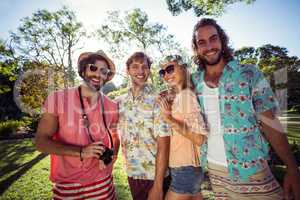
{"x":24,"y":173}
{"x":293,"y":128}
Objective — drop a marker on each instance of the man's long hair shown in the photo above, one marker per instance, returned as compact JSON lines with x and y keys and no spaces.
{"x":227,"y":51}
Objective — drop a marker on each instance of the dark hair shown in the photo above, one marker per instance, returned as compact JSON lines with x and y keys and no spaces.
{"x":89,"y":60}
{"x":227,"y":51}
{"x":138,"y":56}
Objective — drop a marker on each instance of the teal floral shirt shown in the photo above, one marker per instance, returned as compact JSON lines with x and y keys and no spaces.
{"x":243,"y":93}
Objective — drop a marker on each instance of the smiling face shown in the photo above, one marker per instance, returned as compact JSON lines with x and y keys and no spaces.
{"x":174,"y":75}
{"x":95,"y":75}
{"x":209,"y":46}
{"x":139,"y":72}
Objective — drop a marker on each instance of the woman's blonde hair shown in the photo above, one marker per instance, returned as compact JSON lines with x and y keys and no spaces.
{"x":183,"y":66}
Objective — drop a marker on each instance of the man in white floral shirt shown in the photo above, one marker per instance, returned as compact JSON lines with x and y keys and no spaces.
{"x":144,"y":136}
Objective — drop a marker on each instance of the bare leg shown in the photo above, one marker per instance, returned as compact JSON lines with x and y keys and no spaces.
{"x":175,"y":196}
{"x":198,"y":197}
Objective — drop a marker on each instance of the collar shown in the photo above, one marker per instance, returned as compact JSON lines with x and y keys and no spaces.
{"x":232,"y":65}
{"x":147,"y":89}
{"x":229,"y":67}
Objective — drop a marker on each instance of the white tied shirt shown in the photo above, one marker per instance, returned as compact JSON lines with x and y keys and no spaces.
{"x":215,"y":141}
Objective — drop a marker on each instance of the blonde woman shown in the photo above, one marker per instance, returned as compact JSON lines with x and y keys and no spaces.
{"x":181,"y":111}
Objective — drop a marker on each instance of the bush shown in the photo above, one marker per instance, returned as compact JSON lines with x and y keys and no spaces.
{"x":9,"y":127}
{"x":294,"y":110}
{"x":31,"y":123}
{"x":116,"y":93}
{"x":295,"y":148}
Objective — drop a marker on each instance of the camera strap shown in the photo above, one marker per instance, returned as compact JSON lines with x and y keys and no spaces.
{"x":86,"y":121}
{"x":104,"y":121}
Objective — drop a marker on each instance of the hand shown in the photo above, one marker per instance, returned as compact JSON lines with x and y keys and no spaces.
{"x":101,"y":165}
{"x":166,"y":108}
{"x":155,"y":193}
{"x":291,"y":185}
{"x":93,"y":150}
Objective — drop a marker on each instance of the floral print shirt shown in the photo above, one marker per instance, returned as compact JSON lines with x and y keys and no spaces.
{"x":140,"y":124}
{"x":243,"y":93}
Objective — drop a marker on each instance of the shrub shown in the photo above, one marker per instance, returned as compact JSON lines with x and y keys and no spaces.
{"x":116,"y":93}
{"x":31,"y":123}
{"x":9,"y":127}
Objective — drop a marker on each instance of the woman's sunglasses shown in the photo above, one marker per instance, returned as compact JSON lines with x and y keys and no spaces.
{"x":103,"y":71}
{"x":169,"y":70}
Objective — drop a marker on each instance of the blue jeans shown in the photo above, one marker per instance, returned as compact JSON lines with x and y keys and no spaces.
{"x":186,"y":180}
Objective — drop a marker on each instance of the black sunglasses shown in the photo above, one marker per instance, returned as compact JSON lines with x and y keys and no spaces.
{"x":169,"y":69}
{"x":103,"y":71}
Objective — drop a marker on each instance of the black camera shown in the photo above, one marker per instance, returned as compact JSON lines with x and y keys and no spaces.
{"x":106,"y":156}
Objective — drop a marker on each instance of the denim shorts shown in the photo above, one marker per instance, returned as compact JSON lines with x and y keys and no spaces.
{"x":186,"y":180}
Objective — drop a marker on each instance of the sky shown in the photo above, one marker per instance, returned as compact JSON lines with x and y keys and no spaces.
{"x":266,"y":21}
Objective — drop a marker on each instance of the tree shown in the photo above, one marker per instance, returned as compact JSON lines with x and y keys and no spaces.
{"x":294,"y":89}
{"x":8,"y":76}
{"x":269,"y":58}
{"x":246,"y":55}
{"x":272,"y":58}
{"x":134,"y":30}
{"x":8,"y":68}
{"x":201,"y":7}
{"x":34,"y":85}
{"x":50,"y":37}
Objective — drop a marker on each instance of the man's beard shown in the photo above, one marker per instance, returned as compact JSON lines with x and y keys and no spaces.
{"x":95,"y":88}
{"x":215,"y":61}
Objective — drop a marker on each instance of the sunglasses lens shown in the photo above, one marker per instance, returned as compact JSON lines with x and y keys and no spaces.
{"x":104,"y":71}
{"x":162,"y":72}
{"x":170,"y":69}
{"x":93,"y":68}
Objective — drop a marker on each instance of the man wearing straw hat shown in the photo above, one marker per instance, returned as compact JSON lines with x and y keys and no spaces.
{"x":78,"y":130}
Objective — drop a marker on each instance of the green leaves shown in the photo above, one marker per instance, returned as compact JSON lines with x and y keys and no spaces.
{"x":133,"y":30}
{"x":8,"y":68}
{"x":268,"y":57}
{"x":50,"y":37}
{"x":4,"y":89}
{"x":246,"y":55}
{"x":202,"y":7}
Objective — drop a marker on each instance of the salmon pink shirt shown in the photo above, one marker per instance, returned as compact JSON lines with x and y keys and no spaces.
{"x":183,"y":152}
{"x":65,"y":104}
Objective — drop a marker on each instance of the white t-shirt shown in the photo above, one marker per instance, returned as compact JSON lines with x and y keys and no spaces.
{"x":215,"y":141}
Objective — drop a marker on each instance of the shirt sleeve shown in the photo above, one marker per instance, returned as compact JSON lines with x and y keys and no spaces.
{"x":191,"y":113}
{"x":263,"y":98}
{"x":161,"y":128}
{"x":50,"y":104}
